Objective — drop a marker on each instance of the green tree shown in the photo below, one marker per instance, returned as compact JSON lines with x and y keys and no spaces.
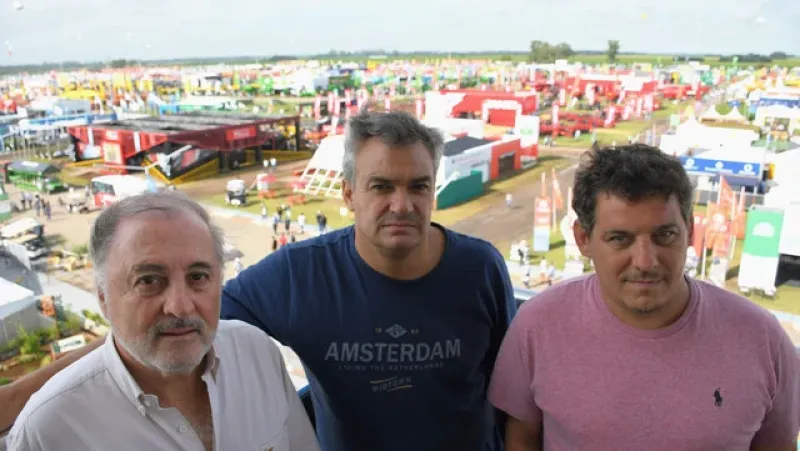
{"x":544,"y":52}
{"x":613,"y":49}
{"x":29,"y":343}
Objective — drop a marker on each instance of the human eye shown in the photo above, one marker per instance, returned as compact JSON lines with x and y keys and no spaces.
{"x":199,"y":278}
{"x":149,"y":284}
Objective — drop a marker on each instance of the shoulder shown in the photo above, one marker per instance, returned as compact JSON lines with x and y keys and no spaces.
{"x":304,"y":250}
{"x":289,"y":262}
{"x":243,"y":339}
{"x":247,"y":344}
{"x":557,"y":303}
{"x":736,"y":312}
{"x":469,"y":249}
{"x":73,"y":389}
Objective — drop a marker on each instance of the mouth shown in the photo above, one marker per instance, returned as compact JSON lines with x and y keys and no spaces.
{"x":399,"y":225}
{"x":180,"y":332}
{"x":644,"y":283}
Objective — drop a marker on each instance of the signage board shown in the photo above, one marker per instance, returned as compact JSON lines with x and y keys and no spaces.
{"x":541,"y":225}
{"x":240,"y":133}
{"x":709,"y":166}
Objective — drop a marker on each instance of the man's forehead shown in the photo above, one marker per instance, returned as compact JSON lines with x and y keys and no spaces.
{"x":614,"y":212}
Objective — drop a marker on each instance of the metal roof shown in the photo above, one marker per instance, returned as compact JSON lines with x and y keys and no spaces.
{"x":460,"y":145}
{"x":14,"y":298}
{"x":191,"y":121}
{"x":34,"y":167}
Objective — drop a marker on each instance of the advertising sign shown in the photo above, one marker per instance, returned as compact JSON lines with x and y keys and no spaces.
{"x":763,"y":234}
{"x":761,"y":249}
{"x":465,"y":162}
{"x":240,"y":133}
{"x":707,"y":166}
{"x":541,"y":224}
{"x":527,"y":128}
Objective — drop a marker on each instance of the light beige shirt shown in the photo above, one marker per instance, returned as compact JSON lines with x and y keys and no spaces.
{"x":95,"y":404}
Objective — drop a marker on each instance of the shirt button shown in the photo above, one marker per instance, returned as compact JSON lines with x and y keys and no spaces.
{"x":182,"y":429}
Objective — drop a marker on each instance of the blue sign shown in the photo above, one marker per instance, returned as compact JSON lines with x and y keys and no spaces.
{"x":713,"y":167}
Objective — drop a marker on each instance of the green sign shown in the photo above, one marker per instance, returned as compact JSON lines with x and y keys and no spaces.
{"x":5,"y":204}
{"x":763,"y":233}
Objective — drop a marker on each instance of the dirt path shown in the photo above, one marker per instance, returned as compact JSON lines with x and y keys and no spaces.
{"x":500,"y":225}
{"x":216,"y":185}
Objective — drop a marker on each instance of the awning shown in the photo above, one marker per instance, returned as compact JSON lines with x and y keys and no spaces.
{"x":739,"y":180}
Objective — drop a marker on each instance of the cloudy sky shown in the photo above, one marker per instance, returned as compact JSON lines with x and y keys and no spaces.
{"x":57,"y":30}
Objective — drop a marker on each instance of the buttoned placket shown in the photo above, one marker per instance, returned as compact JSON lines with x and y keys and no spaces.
{"x":172,"y":422}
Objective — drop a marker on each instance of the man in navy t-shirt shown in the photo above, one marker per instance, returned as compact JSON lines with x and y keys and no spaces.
{"x":397,"y":320}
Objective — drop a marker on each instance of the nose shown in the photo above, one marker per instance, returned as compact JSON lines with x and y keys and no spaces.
{"x":178,"y":300}
{"x":644,"y":255}
{"x":401,"y":202}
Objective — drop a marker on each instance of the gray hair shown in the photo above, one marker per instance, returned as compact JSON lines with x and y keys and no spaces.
{"x":106,"y":224}
{"x":395,"y":129}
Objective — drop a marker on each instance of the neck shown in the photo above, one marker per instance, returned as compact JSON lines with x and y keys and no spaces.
{"x":659,"y":319}
{"x":409,"y":266}
{"x":170,"y":388}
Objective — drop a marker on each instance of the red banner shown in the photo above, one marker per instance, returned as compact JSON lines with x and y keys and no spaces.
{"x":698,"y":234}
{"x":542,"y":213}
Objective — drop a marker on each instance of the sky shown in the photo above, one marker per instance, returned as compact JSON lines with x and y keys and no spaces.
{"x":97,"y":30}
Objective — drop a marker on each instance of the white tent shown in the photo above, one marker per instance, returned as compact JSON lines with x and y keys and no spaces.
{"x":735,"y":116}
{"x":323,"y":174}
{"x":711,"y":114}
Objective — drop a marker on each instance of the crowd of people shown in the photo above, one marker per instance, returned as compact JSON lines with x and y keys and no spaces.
{"x":410,"y":333}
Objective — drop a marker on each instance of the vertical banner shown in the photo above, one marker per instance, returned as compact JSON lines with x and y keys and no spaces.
{"x":317,"y":108}
{"x":329,"y":104}
{"x":541,"y":225}
{"x":698,"y":235}
{"x":761,"y":248}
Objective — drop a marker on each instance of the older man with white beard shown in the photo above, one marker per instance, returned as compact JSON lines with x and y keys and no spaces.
{"x":170,"y":375}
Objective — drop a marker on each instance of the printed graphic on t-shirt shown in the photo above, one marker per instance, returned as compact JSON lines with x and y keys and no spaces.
{"x":394,"y":349}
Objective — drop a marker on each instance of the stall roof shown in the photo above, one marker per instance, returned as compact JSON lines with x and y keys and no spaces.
{"x":191,"y":121}
{"x":738,"y":180}
{"x":460,"y":145}
{"x":33,"y":167}
{"x":14,"y":298}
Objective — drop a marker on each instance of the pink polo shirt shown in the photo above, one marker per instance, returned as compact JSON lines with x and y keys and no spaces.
{"x":723,"y":376}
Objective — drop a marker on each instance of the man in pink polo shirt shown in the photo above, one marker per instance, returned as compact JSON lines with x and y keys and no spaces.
{"x":636,"y":356}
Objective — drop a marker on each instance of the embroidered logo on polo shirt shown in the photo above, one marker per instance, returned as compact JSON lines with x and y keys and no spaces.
{"x":717,"y":398}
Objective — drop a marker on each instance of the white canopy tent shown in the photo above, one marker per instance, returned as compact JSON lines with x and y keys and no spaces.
{"x":323,"y":174}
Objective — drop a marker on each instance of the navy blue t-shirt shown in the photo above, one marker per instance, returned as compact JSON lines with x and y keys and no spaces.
{"x":392,"y":364}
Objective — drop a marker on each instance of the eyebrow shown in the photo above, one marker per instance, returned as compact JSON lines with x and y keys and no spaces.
{"x":669,"y":225}
{"x":379,"y":179}
{"x":152,"y":267}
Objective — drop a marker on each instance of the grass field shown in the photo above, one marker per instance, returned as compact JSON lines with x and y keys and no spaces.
{"x":330,"y":207}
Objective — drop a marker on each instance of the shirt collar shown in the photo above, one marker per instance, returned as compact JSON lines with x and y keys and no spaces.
{"x":128,"y":385}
